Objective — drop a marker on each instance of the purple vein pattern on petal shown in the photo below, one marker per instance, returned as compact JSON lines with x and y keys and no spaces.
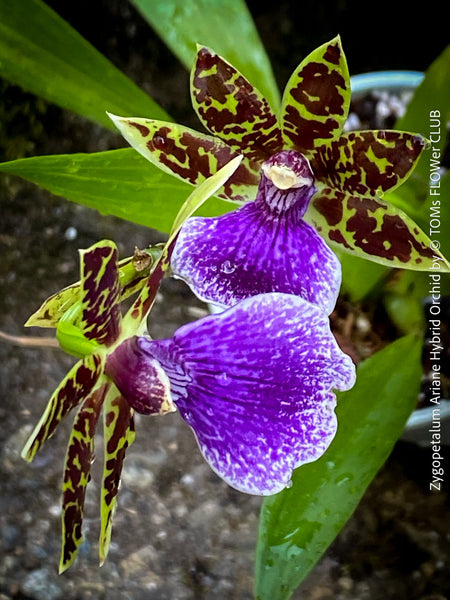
{"x":254,"y":383}
{"x":251,"y":251}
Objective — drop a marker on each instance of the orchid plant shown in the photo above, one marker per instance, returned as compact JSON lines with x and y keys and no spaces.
{"x":315,"y":180}
{"x":257,"y":380}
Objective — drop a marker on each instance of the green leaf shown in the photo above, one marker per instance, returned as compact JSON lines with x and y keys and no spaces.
{"x":45,"y":55}
{"x":226,"y":26}
{"x":431,"y":95}
{"x":360,"y":276}
{"x":117,"y":182}
{"x":298,"y":524}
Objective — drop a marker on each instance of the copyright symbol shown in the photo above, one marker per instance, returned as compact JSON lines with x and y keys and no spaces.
{"x":435,"y":245}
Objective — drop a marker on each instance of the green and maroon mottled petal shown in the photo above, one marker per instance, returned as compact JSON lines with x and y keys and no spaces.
{"x":189,"y":155}
{"x":372,"y":229}
{"x":100,"y":293}
{"x":367,"y":163}
{"x":132,"y":277}
{"x":316,"y":99}
{"x":231,"y":108}
{"x":77,"y":468}
{"x":118,"y":435}
{"x":76,"y":385}
{"x":54,"y":307}
{"x":134,"y":320}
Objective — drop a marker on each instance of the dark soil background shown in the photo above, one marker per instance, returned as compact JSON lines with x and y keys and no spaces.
{"x":180,"y":533}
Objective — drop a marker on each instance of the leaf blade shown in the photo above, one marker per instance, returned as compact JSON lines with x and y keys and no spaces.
{"x":182,"y":25}
{"x":102,"y":181}
{"x":46,"y":56}
{"x":297,"y":525}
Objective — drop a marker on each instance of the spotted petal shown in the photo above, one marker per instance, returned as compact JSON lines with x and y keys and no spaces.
{"x":316,"y":99}
{"x":188,"y":154}
{"x":119,"y":435}
{"x":77,"y":468}
{"x":373,"y":229}
{"x":133,"y":272}
{"x":100,"y":293}
{"x":250,"y":251}
{"x":255,"y":384}
{"x":76,"y":386}
{"x":231,"y":108}
{"x":367,"y":163}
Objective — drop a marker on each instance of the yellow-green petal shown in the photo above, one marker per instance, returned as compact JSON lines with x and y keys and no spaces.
{"x":76,"y":385}
{"x":79,"y":456}
{"x":118,"y":431}
{"x":367,"y":163}
{"x":231,"y":108}
{"x":189,"y":155}
{"x":372,"y":229}
{"x":316,"y":99}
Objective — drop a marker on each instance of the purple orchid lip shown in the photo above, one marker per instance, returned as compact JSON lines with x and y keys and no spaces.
{"x":264,"y":246}
{"x":254,"y":383}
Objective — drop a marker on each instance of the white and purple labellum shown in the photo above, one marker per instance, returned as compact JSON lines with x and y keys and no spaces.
{"x":264,"y":246}
{"x":255,"y":383}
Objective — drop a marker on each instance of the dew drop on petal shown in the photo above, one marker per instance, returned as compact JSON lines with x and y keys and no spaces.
{"x":227,"y":267}
{"x":223,"y":379}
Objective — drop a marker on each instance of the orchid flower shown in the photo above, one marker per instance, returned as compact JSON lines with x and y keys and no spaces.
{"x":309,"y":173}
{"x":254,"y":383}
{"x":89,"y":324}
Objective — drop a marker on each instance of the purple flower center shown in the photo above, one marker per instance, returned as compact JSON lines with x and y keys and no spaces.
{"x":287,"y":181}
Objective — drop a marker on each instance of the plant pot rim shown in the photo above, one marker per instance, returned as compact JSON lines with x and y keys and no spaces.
{"x":387,"y":80}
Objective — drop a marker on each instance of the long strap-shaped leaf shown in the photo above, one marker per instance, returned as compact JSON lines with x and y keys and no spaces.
{"x":118,"y":182}
{"x":225,"y":25}
{"x":45,"y":55}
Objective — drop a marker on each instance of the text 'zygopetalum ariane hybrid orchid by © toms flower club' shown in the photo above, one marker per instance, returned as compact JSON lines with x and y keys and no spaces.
{"x":315,"y":183}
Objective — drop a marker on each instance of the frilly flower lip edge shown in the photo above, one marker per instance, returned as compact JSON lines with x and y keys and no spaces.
{"x":254,"y":383}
